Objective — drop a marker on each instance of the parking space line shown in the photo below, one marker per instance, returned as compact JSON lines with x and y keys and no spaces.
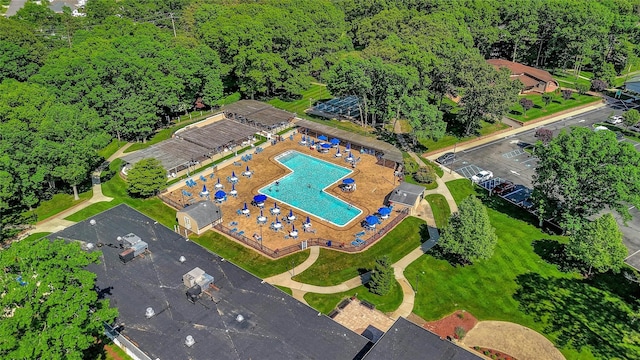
{"x":628,"y":257}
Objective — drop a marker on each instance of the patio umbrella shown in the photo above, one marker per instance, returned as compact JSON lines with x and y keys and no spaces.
{"x":247,"y":168}
{"x":335,"y":141}
{"x":275,"y":205}
{"x":233,"y":190}
{"x":233,"y":174}
{"x":338,"y":150}
{"x":277,"y":220}
{"x":348,"y":146}
{"x":220,"y":194}
{"x":371,"y":220}
{"x":323,"y":138}
{"x":260,"y":198}
{"x":290,"y":212}
{"x":218,"y":180}
{"x":348,"y":181}
{"x":325,"y":146}
{"x":245,"y":206}
{"x":204,"y":190}
{"x":308,"y":221}
{"x":384,"y":211}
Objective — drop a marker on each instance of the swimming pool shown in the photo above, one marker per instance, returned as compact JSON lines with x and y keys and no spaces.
{"x":304,"y":188}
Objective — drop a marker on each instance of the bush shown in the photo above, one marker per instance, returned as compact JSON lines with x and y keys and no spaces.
{"x":582,"y":88}
{"x":598,"y":85}
{"x":425,"y":175}
{"x":460,"y":332}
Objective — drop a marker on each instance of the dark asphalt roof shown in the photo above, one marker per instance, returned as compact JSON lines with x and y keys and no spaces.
{"x":203,"y":212}
{"x":258,"y":112}
{"x":406,"y":194}
{"x":275,"y":326}
{"x":406,"y":340}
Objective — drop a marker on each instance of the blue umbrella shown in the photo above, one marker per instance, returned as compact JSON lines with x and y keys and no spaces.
{"x":220,"y":194}
{"x":304,"y":138}
{"x":313,"y":142}
{"x":233,"y":174}
{"x":348,"y":146}
{"x":277,"y":220}
{"x":247,"y":168}
{"x":308,"y":220}
{"x":260,"y":198}
{"x":275,"y":205}
{"x":335,"y":141}
{"x":325,"y":146}
{"x":204,"y":190}
{"x":348,"y":181}
{"x":384,"y":211}
{"x":293,"y":228}
{"x":323,"y":138}
{"x":290,"y":213}
{"x":245,"y":206}
{"x":371,"y":219}
{"x":218,"y":180}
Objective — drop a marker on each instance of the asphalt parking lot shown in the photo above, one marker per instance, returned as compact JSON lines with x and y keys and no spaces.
{"x":509,"y":160}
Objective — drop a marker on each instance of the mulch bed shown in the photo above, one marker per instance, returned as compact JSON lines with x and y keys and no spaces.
{"x":446,"y":327}
{"x":493,"y":354}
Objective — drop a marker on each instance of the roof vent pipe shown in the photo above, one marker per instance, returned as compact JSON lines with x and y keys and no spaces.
{"x":189,"y":341}
{"x":239,"y":318}
{"x":92,"y":222}
{"x":182,"y":259}
{"x":149,"y":313}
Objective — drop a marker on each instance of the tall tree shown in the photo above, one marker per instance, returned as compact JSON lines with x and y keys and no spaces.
{"x":146,"y":178}
{"x":582,"y":172}
{"x":598,"y":244}
{"x":631,"y":117}
{"x":469,"y":235}
{"x":382,"y":277}
{"x":50,"y":307}
{"x":425,"y":119}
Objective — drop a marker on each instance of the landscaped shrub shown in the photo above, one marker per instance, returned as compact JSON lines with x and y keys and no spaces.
{"x":425,"y":175}
{"x":460,"y":332}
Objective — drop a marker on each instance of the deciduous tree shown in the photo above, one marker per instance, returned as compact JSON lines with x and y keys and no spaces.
{"x":582,"y":172}
{"x":546,"y":99}
{"x":469,"y":235}
{"x":50,"y":307}
{"x":598,"y":244}
{"x":146,"y":178}
{"x":526,"y":105}
{"x":631,"y":117}
{"x":598,"y":85}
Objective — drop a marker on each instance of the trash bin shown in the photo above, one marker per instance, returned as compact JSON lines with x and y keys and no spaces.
{"x":329,"y":243}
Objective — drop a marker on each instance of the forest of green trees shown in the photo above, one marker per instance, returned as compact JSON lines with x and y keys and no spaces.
{"x":69,"y":85}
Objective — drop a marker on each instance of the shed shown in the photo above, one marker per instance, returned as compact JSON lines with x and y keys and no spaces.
{"x":407,"y":195}
{"x":200,"y":216}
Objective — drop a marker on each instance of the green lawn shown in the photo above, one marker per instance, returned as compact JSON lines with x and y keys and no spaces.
{"x":334,"y":267}
{"x":557,"y":104}
{"x":434,"y":166}
{"x":568,"y":80}
{"x":58,"y":203}
{"x":450,"y":140}
{"x":285,"y":289}
{"x":36,"y":236}
{"x":116,"y":188}
{"x":116,"y":349}
{"x":440,"y":208}
{"x":111,"y":149}
{"x":327,"y":302}
{"x":411,"y":166}
{"x":248,"y":259}
{"x":522,"y":283}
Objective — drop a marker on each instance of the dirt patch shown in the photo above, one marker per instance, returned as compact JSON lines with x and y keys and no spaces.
{"x":513,"y":339}
{"x":446,"y":327}
{"x":493,"y":354}
{"x":112,"y":354}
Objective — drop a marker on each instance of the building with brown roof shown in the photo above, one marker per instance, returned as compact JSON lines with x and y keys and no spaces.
{"x":534,"y":80}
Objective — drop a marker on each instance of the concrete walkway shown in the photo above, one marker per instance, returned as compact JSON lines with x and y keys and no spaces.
{"x":57,"y":222}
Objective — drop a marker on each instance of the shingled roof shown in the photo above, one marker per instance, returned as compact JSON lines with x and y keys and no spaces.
{"x":529,"y":76}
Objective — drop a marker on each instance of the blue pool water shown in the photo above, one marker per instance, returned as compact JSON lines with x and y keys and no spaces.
{"x":304,"y":188}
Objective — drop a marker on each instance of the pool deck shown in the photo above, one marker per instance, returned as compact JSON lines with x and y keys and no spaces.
{"x":374,"y":183}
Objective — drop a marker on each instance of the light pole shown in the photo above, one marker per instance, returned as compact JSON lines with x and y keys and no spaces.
{"x":454,"y":156}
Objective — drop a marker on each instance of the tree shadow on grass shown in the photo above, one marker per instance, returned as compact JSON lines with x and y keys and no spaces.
{"x":555,"y":253}
{"x":580,"y":316}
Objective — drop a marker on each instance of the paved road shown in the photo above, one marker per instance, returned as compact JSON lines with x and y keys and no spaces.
{"x":508,"y":159}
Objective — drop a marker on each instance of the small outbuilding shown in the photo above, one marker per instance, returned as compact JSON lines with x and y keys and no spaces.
{"x":407,"y":195}
{"x":199,"y":217}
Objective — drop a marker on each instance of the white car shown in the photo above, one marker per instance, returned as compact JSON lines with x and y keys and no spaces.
{"x":615,"y":120}
{"x":482,"y":176}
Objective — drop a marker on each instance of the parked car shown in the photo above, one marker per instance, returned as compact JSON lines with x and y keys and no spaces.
{"x":615,"y":119}
{"x":503,"y":188}
{"x":446,"y":158}
{"x":635,"y":128}
{"x":482,"y":176}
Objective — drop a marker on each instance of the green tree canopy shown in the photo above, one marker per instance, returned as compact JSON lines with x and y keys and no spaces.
{"x":631,"y":117}
{"x":382,"y":277}
{"x":582,"y":172}
{"x":469,"y":235}
{"x":146,"y":178}
{"x":50,"y":307}
{"x":598,"y":244}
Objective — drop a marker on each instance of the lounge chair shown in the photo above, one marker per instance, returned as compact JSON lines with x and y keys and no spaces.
{"x":233,"y":223}
{"x":241,"y":232}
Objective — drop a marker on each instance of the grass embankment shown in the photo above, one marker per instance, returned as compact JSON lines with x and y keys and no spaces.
{"x":246,"y":258}
{"x":440,"y":209}
{"x":285,"y":289}
{"x":569,"y":80}
{"x":523,"y":283}
{"x":111,"y":149}
{"x":450,"y":140}
{"x":116,"y":188}
{"x":36,"y":236}
{"x":334,"y":267}
{"x":556,"y":105}
{"x":59,"y":203}
{"x":327,"y":302}
{"x":313,"y":94}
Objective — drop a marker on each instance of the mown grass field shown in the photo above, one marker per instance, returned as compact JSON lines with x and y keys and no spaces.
{"x":440,"y":208}
{"x":523,"y":283}
{"x":450,"y":140}
{"x":59,"y":203}
{"x":334,"y":267}
{"x":557,"y":104}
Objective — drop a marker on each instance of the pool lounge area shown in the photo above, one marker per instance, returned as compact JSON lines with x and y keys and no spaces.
{"x":304,"y":188}
{"x":339,"y":222}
